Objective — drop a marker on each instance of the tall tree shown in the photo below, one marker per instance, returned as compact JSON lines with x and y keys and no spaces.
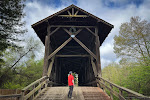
{"x":11,"y":25}
{"x":133,"y":39}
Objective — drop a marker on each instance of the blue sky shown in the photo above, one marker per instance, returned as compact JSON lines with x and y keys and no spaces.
{"x":112,"y":11}
{"x":107,"y":3}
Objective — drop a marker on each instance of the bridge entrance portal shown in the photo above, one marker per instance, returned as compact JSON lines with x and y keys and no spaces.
{"x":72,"y":38}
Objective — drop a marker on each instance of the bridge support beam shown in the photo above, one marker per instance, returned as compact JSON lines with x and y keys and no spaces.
{"x":94,"y":67}
{"x":46,"y":61}
{"x":97,"y":45}
{"x":50,"y":66}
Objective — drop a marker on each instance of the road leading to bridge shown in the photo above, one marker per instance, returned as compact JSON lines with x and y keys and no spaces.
{"x":79,"y":93}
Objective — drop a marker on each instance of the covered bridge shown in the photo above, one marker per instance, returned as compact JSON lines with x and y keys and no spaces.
{"x":72,"y":38}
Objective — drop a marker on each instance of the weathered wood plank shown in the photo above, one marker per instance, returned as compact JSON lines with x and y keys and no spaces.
{"x":73,"y":15}
{"x":10,"y":96}
{"x":50,"y":67}
{"x":123,"y":89}
{"x":90,"y":31}
{"x":111,"y":94}
{"x":94,"y":67}
{"x":78,"y":32}
{"x":72,"y":55}
{"x":35,"y":82}
{"x":54,"y":31}
{"x":69,"y":12}
{"x":73,"y":26}
{"x":34,"y":90}
{"x":89,"y":51}
{"x":72,"y":11}
{"x":45,"y":56}
{"x":76,"y":12}
{"x":98,"y":53}
{"x":43,"y":90}
{"x":79,"y":93}
{"x":112,"y":91}
{"x":59,"y":48}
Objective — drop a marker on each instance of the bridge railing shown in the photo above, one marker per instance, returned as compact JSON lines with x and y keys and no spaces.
{"x":35,"y":88}
{"x":10,"y":97}
{"x":120,"y":92}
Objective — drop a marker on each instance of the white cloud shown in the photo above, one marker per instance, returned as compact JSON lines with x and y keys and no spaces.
{"x":35,"y":11}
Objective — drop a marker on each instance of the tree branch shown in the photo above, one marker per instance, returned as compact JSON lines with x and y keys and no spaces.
{"x":5,"y":72}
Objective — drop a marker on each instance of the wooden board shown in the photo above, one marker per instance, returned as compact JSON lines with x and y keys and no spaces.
{"x":79,"y":93}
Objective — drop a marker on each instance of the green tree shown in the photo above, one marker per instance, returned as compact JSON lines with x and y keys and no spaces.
{"x":24,"y":74}
{"x":13,"y":57}
{"x":11,"y":26}
{"x":132,"y":43}
{"x":133,"y":39}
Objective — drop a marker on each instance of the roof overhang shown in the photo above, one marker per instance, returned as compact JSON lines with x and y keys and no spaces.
{"x":104,"y":27}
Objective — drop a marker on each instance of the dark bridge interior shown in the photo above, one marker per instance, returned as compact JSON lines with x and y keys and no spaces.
{"x":72,"y":58}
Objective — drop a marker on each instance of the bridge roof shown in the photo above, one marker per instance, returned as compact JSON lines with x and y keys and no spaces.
{"x":104,"y":27}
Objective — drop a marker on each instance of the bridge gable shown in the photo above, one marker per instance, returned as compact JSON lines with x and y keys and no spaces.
{"x":72,"y":15}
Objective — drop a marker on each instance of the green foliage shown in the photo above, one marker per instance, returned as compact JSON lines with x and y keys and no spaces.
{"x":75,"y":78}
{"x":139,"y":79}
{"x":133,"y":75}
{"x":11,"y":85}
{"x":133,"y":39}
{"x":24,"y":74}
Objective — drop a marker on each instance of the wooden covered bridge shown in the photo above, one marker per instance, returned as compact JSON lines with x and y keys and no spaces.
{"x":72,"y":38}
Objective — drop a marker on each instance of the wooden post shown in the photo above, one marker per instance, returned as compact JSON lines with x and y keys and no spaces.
{"x":32,"y":97}
{"x":22,"y":94}
{"x":46,"y":84}
{"x":120,"y":92}
{"x":40,"y":88}
{"x":98,"y":83}
{"x":111,"y":94}
{"x":104,"y":89}
{"x":46,"y":56}
{"x":98,"y":53}
{"x":47,"y":51}
{"x":129,"y":96}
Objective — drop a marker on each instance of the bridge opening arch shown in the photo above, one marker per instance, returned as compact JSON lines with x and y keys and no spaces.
{"x":79,"y":65}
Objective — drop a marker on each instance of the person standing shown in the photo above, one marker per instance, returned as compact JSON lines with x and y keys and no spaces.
{"x":71,"y":84}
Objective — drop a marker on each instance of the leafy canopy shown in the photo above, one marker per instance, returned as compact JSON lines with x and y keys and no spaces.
{"x":11,"y":26}
{"x":133,"y":39}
